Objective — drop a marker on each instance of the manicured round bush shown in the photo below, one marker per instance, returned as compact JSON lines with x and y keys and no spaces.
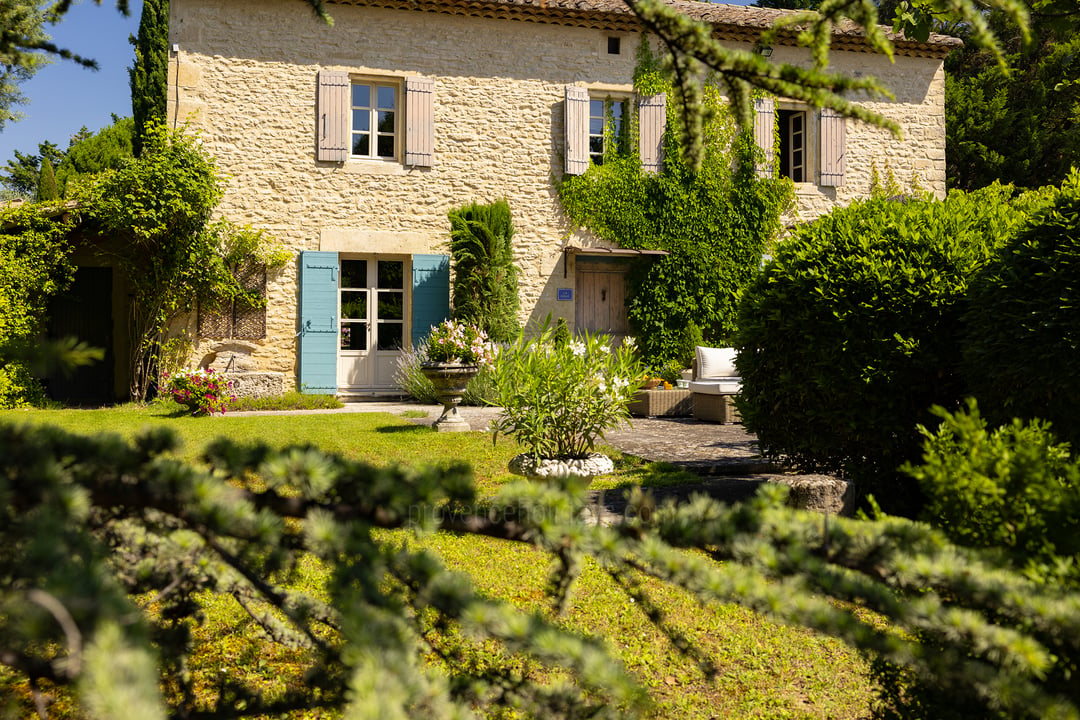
{"x":1022,"y":355}
{"x":850,"y":333}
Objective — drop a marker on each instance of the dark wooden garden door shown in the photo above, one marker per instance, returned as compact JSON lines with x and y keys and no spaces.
{"x":601,"y":297}
{"x":85,"y":312}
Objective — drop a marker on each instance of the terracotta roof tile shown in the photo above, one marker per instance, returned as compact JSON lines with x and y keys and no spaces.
{"x":732,"y":22}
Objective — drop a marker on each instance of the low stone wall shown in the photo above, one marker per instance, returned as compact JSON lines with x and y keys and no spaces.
{"x":820,"y":493}
{"x":256,"y":384}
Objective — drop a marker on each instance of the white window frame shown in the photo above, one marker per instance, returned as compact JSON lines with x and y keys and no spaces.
{"x":626,"y":101}
{"x":374,"y":83}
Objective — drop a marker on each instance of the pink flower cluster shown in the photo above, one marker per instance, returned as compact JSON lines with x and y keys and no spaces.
{"x":455,"y":342}
{"x":203,"y":391}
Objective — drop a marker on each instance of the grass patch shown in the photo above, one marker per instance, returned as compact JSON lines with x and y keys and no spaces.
{"x":292,"y":400}
{"x":764,"y":670}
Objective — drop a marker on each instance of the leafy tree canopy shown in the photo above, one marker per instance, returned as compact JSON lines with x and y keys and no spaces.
{"x":1019,"y":125}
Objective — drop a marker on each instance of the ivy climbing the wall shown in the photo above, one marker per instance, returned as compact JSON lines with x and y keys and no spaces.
{"x":715,"y":225}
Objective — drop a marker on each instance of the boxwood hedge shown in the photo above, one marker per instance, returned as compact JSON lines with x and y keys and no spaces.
{"x":851,"y":333}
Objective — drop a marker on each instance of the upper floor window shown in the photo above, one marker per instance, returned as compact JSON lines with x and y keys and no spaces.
{"x":374,"y":120}
{"x":600,"y":126}
{"x":608,"y":128}
{"x":793,"y":141}
{"x":796,"y":142}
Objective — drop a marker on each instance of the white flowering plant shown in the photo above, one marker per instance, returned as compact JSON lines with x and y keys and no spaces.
{"x":558,"y":397}
{"x":454,"y":342}
{"x":201,"y":390}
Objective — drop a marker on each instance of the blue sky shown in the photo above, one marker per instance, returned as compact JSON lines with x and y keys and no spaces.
{"x":65,"y":96}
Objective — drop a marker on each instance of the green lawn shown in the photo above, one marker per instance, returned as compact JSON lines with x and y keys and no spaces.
{"x":764,"y":670}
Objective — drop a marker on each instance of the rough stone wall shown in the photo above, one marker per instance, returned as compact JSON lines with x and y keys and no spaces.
{"x":244,"y":72}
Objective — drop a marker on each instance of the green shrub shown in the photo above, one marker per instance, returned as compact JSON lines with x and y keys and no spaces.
{"x":1013,"y":488}
{"x":850,"y":333}
{"x":34,"y":266}
{"x":559,"y":399}
{"x":1023,"y":341}
{"x":485,"y":278}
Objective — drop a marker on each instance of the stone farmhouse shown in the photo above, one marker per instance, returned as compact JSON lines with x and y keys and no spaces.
{"x":350,"y":143}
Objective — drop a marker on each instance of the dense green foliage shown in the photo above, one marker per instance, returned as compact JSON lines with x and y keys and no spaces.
{"x":485,"y":289}
{"x":157,"y":209}
{"x":22,"y":172}
{"x":714,"y":223}
{"x":851,"y":332}
{"x":148,"y":78}
{"x":1012,"y":488}
{"x":84,"y":540}
{"x":34,"y":265}
{"x":1016,"y":125}
{"x":90,"y":153}
{"x":1023,"y":341}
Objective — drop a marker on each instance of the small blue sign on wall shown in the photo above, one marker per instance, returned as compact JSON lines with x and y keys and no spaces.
{"x":566,"y":293}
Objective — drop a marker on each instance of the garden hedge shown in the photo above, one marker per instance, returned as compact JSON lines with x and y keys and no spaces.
{"x":850,"y":333}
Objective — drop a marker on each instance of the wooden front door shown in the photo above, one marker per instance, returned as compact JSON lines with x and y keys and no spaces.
{"x":372,"y":314}
{"x":601,"y":297}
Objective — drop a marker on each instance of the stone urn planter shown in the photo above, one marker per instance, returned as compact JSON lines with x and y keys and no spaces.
{"x":450,"y":381}
{"x":585,"y":468}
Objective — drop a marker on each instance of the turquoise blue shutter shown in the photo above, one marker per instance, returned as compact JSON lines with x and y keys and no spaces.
{"x":430,"y":293}
{"x":318,"y":322}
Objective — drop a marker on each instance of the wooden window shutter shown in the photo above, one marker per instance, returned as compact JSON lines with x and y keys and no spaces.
{"x":419,"y":121}
{"x":764,"y":127}
{"x":833,"y":137}
{"x":430,"y":293}
{"x":333,"y":109}
{"x":318,"y":336}
{"x":652,"y":114}
{"x":577,"y":130}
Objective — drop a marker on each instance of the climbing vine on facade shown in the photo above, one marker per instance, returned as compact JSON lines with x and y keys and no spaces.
{"x":714,"y":223}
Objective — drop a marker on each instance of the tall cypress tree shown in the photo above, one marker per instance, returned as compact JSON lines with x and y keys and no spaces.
{"x":46,"y":188}
{"x":149,"y":77}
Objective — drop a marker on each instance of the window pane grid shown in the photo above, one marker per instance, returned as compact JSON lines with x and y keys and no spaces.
{"x":374,"y":120}
{"x":605,"y":128}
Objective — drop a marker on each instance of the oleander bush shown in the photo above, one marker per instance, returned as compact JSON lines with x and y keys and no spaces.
{"x":1022,"y":347}
{"x":851,"y":332}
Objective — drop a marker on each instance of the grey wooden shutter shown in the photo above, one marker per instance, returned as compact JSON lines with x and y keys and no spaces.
{"x":833,"y":137}
{"x":419,"y":121}
{"x":652,"y":114}
{"x":577,"y":130}
{"x":764,"y":125}
{"x":333,"y":111}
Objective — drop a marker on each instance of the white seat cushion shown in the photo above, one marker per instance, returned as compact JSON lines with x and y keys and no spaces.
{"x":726,"y":386}
{"x":715,"y":362}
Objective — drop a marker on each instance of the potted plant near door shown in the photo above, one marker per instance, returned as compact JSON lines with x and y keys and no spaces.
{"x":558,"y":398}
{"x":455,"y":353}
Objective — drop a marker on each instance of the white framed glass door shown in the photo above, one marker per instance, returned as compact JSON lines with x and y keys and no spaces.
{"x":372,"y":300}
